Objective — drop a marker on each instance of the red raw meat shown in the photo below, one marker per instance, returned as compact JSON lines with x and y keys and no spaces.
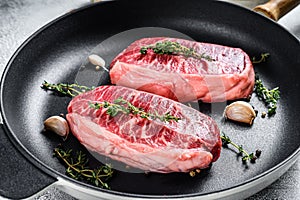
{"x":229,"y":76}
{"x":151,"y":145}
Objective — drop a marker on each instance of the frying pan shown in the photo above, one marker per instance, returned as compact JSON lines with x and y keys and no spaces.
{"x":56,"y":51}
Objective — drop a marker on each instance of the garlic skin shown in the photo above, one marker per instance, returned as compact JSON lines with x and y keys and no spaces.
{"x":240,"y":111}
{"x":57,"y":125}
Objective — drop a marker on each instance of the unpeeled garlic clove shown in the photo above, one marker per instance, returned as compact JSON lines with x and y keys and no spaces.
{"x":58,"y":125}
{"x":96,"y":60}
{"x":240,"y":111}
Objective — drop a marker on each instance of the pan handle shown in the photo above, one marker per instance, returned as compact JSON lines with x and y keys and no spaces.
{"x":275,"y":9}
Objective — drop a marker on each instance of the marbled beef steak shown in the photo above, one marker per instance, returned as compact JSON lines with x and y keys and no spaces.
{"x":227,"y":75}
{"x":148,"y":144}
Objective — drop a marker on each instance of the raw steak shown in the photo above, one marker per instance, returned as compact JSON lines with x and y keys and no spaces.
{"x":151,"y":145}
{"x":228,"y":76}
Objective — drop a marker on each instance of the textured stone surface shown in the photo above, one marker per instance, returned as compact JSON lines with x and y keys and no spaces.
{"x":18,"y":20}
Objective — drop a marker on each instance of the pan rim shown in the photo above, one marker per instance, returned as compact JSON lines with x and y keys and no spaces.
{"x":53,"y":173}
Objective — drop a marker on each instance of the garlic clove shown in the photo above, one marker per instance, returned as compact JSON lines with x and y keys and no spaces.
{"x":58,"y":125}
{"x":96,"y":60}
{"x":240,"y":111}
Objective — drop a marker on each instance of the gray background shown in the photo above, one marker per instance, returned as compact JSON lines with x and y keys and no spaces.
{"x":20,"y":18}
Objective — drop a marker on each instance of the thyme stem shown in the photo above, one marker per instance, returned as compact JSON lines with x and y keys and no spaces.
{"x":269,"y":97}
{"x":66,"y":89}
{"x":245,"y":155}
{"x":263,"y":58}
{"x":79,"y":170}
{"x":174,"y":48}
{"x":120,"y":105}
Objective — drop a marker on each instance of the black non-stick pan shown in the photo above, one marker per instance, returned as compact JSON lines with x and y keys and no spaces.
{"x":56,"y":52}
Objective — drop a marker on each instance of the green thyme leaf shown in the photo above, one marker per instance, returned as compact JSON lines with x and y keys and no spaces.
{"x":263,"y":58}
{"x":269,"y":97}
{"x":77,"y":168}
{"x":120,"y":105}
{"x":174,"y":48}
{"x":245,"y":155}
{"x":65,"y":88}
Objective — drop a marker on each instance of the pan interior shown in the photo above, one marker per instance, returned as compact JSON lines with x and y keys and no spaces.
{"x":58,"y":50}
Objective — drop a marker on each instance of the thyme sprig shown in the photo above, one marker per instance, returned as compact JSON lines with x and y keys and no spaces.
{"x":174,"y":48}
{"x":66,"y":89}
{"x":269,"y":97}
{"x":245,"y":155}
{"x":77,"y":168}
{"x":120,"y":105}
{"x":263,"y":58}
